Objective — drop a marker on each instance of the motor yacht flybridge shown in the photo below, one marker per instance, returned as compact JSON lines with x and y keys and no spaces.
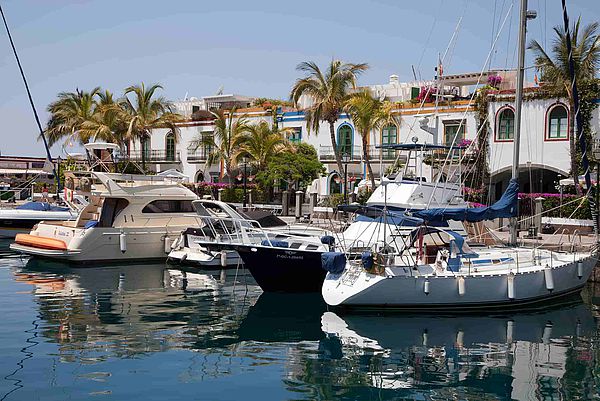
{"x":128,"y":217}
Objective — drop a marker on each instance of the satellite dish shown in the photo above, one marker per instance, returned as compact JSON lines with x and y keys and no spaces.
{"x":219,"y":91}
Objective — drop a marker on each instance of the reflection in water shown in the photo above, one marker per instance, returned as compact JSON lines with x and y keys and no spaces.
{"x":109,"y":331}
{"x":518,"y":356}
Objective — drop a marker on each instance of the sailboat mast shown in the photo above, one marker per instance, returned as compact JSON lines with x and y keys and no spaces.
{"x":35,"y":114}
{"x":523,"y":16}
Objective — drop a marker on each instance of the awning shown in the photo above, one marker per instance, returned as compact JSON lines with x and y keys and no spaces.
{"x":22,"y":171}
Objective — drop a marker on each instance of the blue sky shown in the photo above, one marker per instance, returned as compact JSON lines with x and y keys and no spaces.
{"x":249,"y":48}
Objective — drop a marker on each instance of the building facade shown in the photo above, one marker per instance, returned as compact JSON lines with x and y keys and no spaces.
{"x":448,"y":117}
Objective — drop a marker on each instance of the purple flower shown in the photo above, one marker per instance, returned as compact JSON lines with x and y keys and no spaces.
{"x":494,"y":80}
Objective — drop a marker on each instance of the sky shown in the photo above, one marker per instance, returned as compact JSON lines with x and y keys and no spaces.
{"x":247,"y":47}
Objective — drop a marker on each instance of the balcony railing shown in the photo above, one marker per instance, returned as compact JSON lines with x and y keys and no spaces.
{"x":197,"y":156}
{"x":326,"y":154}
{"x":155,"y":156}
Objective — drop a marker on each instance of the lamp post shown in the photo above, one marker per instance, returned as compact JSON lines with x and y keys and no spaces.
{"x":596,"y":151}
{"x":57,"y":178}
{"x":244,"y":163}
{"x":346,"y":157}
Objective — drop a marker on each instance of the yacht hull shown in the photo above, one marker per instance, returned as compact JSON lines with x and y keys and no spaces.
{"x":103,"y":245}
{"x":200,"y":259}
{"x":283,"y":269}
{"x":444,"y":292}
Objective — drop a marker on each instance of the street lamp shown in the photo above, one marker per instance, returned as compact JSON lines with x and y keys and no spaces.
{"x":346,"y":158}
{"x":244,"y":163}
{"x":596,"y":151}
{"x":58,"y":160}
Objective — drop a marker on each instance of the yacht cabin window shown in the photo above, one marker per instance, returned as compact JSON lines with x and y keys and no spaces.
{"x":111,"y":207}
{"x":169,"y":206}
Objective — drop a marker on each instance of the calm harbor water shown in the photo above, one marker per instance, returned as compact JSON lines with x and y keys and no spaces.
{"x":150,"y":332}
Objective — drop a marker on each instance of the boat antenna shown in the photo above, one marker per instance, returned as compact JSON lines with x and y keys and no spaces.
{"x":37,"y":118}
{"x":523,"y":17}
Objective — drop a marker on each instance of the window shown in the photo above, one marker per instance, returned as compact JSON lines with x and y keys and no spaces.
{"x":207,"y":143}
{"x":169,"y":206}
{"x":505,"y":130}
{"x":195,"y":109}
{"x":345,"y":139}
{"x":296,"y":135}
{"x":454,"y":132}
{"x":558,"y":123}
{"x":389,"y":136}
{"x":170,"y":146}
{"x":146,"y":147}
{"x":111,"y":207}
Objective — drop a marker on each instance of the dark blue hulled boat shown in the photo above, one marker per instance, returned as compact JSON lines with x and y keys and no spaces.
{"x":277,"y":267}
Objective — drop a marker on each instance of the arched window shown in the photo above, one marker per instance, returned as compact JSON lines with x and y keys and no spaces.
{"x":335,"y":184}
{"x":345,"y":139}
{"x":558,"y":122}
{"x":389,"y":136}
{"x":170,"y":146}
{"x":505,"y":125}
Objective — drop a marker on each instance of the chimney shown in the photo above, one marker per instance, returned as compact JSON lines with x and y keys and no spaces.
{"x":394,"y":79}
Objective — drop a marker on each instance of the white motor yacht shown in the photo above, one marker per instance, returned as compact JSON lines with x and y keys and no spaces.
{"x":128,"y":217}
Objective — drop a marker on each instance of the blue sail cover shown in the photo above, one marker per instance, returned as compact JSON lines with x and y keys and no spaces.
{"x":505,"y":207}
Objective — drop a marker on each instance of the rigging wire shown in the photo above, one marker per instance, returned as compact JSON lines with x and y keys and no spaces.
{"x":35,"y":113}
{"x":485,"y":66}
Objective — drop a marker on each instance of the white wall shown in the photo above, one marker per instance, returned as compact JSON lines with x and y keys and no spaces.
{"x":535,"y":147}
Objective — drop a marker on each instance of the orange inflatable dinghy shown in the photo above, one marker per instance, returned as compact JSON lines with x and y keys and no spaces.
{"x":41,"y":242}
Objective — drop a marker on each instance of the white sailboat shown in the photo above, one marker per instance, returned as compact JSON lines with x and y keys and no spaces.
{"x":433,"y":268}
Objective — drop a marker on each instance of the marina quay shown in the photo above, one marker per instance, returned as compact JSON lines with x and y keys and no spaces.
{"x":231,"y":201}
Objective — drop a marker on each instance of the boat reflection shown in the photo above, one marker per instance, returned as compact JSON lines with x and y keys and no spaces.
{"x":527,"y":355}
{"x":132,"y":309}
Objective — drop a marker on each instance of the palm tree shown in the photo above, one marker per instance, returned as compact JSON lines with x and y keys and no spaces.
{"x":263,"y":141}
{"x":368,"y":114}
{"x":226,"y":141}
{"x":555,"y":73}
{"x":108,"y":122}
{"x":69,"y":112}
{"x":146,"y":112}
{"x":328,"y":92}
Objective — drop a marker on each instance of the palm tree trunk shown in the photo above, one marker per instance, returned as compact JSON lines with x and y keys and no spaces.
{"x":336,"y":151}
{"x":573,"y":147}
{"x":367,"y":160}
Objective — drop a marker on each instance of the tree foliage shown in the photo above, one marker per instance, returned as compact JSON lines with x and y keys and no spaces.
{"x":556,"y":75}
{"x":369,"y":114}
{"x":328,"y":92}
{"x":226,"y":140}
{"x":96,"y":115}
{"x":298,"y":167}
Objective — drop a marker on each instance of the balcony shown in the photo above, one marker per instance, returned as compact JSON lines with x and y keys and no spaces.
{"x":326,"y":154}
{"x":197,"y":156}
{"x":155,"y":156}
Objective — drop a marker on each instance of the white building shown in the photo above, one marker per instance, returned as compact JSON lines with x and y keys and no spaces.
{"x":448,"y":118}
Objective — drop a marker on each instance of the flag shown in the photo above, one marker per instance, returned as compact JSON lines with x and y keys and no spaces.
{"x":536,"y":80}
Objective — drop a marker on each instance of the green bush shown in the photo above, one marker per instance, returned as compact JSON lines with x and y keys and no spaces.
{"x":334,"y":200}
{"x":363,"y":195}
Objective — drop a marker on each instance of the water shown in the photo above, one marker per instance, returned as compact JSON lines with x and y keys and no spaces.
{"x":152,"y":332}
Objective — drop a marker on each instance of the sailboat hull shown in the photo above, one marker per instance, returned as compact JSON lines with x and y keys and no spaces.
{"x":450,"y":292}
